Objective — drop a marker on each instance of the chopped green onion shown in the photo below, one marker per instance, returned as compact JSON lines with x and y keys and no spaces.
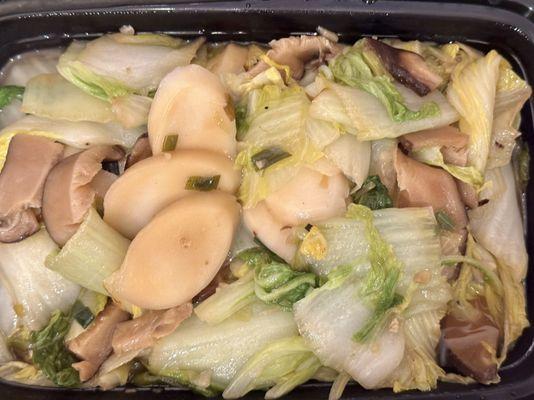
{"x":82,"y":314}
{"x":444,"y":221}
{"x":50,"y":354}
{"x":267,"y":157}
{"x":202,"y":183}
{"x":9,"y":93}
{"x":169,"y":144}
{"x":373,"y":194}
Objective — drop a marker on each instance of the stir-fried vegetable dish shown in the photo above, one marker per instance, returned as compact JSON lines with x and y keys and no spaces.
{"x":232,"y":217}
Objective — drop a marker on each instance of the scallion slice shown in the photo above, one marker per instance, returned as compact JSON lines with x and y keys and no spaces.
{"x":445,"y":222}
{"x":202,"y":183}
{"x":267,"y":157}
{"x":82,"y":314}
{"x":169,"y":143}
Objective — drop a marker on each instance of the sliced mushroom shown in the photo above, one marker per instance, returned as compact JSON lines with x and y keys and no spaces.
{"x":68,"y":191}
{"x":93,"y":345}
{"x":421,"y":186}
{"x":140,"y":151}
{"x":295,"y":52}
{"x":468,"y":194}
{"x":453,"y":146}
{"x":309,"y":197}
{"x":446,"y":136}
{"x":455,"y":156}
{"x":154,"y":183}
{"x":192,"y":110}
{"x":102,"y":182}
{"x":178,"y":253}
{"x":408,"y":68}
{"x":141,"y":333}
{"x":29,"y":160}
{"x":469,"y":342}
{"x":231,"y":59}
{"x":451,"y":142}
{"x":273,"y":234}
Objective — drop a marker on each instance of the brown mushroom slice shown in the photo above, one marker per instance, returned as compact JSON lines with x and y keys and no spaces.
{"x":452,"y":143}
{"x":296,"y":52}
{"x":93,"y":345}
{"x":68,"y":191}
{"x":192,"y":110}
{"x":102,"y":182}
{"x":309,"y":197}
{"x":29,"y":160}
{"x":455,"y":156}
{"x":273,"y":234}
{"x":178,"y":253}
{"x":468,"y":194}
{"x":231,"y":59}
{"x":446,"y":136}
{"x":408,"y":68}
{"x":421,"y":185}
{"x":453,"y":146}
{"x":469,"y":342}
{"x":140,"y":151}
{"x":154,"y":183}
{"x":141,"y":333}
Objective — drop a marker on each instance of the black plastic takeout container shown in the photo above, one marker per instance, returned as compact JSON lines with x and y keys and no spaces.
{"x":506,"y":25}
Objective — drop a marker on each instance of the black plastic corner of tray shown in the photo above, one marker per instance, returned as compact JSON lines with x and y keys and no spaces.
{"x":507,"y":25}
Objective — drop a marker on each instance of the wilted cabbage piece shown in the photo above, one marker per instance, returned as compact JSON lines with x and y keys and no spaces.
{"x":92,"y":254}
{"x":512,"y":93}
{"x":50,"y":353}
{"x":51,"y":96}
{"x":368,"y":118}
{"x":119,"y":64}
{"x":351,"y":156}
{"x":282,"y":365}
{"x":35,"y":290}
{"x":276,"y":117}
{"x":497,"y":225}
{"x":401,"y":297}
{"x":472,"y":93}
{"x":266,"y":278}
{"x":80,"y":135}
{"x":211,"y":356}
